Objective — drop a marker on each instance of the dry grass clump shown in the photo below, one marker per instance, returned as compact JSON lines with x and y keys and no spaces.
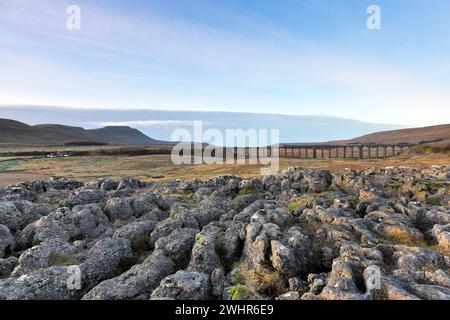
{"x":58,"y":259}
{"x":259,"y":280}
{"x":402,"y":238}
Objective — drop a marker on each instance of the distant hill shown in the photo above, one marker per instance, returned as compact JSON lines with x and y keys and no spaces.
{"x":15,"y":133}
{"x":124,"y":135}
{"x":439,"y":134}
{"x":434,"y":134}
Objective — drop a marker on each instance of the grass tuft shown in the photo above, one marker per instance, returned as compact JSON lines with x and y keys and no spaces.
{"x":247,"y":191}
{"x":58,"y":259}
{"x":262,"y":279}
{"x":240,"y":292}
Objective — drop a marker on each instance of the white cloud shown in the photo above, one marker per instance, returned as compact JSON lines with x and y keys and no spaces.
{"x":159,"y":62}
{"x":161,"y":124}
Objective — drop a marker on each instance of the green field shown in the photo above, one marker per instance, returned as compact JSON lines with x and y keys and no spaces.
{"x":10,"y":162}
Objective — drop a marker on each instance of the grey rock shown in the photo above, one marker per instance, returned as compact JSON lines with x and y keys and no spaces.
{"x":86,"y":196}
{"x":129,"y":183}
{"x":51,"y":252}
{"x":178,"y":221}
{"x":257,"y":242}
{"x":341,"y":284}
{"x":155,"y":215}
{"x":292,"y":295}
{"x":118,"y":208}
{"x":137,"y":232}
{"x":26,"y":236}
{"x":232,"y":243}
{"x":204,"y":257}
{"x":205,"y":216}
{"x":137,"y":283}
{"x":279,"y":216}
{"x":201,"y":193}
{"x":65,"y":224}
{"x":184,"y":286}
{"x":442,"y":235}
{"x":218,"y":283}
{"x":349,"y":223}
{"x":178,"y":245}
{"x":7,"y":266}
{"x":7,"y":241}
{"x":53,"y":283}
{"x":62,"y":183}
{"x":246,"y":214}
{"x":144,"y":204}
{"x":108,"y":185}
{"x":284,"y":259}
{"x":15,"y":215}
{"x":106,"y":258}
{"x":301,"y":247}
{"x":243,"y":201}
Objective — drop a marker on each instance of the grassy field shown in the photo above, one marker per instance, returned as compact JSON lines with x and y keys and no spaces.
{"x":160,"y":167}
{"x":10,"y":162}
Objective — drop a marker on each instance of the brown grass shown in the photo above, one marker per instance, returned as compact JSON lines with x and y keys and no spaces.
{"x":396,"y":238}
{"x":160,"y":167}
{"x":430,"y":149}
{"x":262,"y":279}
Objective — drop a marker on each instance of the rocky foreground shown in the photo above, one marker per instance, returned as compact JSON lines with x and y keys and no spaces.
{"x":303,"y":234}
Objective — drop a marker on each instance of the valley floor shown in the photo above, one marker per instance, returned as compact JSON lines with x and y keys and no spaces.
{"x":161,"y":168}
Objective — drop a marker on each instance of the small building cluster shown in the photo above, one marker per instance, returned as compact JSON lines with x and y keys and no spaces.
{"x":59,"y":155}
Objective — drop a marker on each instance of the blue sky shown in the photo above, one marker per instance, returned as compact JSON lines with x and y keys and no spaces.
{"x":311,"y":57}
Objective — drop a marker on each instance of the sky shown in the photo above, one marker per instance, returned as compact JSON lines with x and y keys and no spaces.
{"x":310,"y":57}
